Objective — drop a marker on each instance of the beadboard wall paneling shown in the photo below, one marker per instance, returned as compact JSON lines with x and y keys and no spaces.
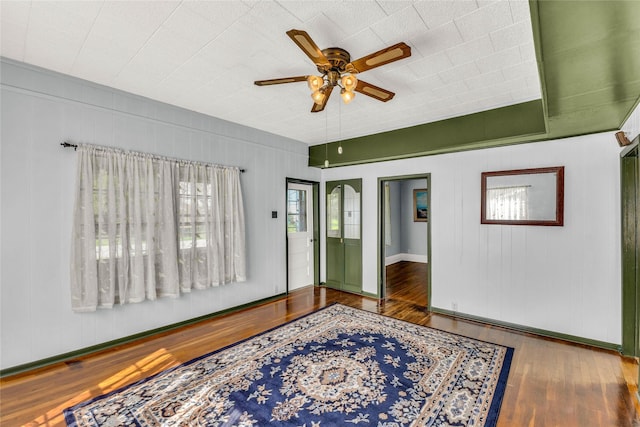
{"x":561,"y":279}
{"x":40,"y":109}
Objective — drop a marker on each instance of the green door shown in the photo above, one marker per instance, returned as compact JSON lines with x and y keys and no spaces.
{"x":344,"y":247}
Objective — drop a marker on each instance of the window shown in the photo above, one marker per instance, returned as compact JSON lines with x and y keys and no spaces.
{"x":296,"y":211}
{"x":351,"y":213}
{"x":148,"y":226}
{"x":333,"y":213}
{"x":194,"y":202}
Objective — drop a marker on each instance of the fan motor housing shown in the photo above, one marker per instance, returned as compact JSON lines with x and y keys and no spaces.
{"x":338,"y":57}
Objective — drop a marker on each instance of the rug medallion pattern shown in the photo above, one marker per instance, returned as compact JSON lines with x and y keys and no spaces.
{"x":336,"y":367}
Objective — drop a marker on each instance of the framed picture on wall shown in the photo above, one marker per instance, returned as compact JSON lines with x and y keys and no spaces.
{"x":420,"y":208}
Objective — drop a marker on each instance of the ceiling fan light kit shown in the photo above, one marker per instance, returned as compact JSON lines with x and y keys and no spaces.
{"x":315,"y":82}
{"x":318,"y":95}
{"x":337,"y":69}
{"x":347,"y":95}
{"x":349,"y":82}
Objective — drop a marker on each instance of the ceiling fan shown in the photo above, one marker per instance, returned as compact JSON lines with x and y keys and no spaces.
{"x":337,"y":69}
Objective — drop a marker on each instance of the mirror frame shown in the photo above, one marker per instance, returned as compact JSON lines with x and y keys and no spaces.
{"x":559,"y":219}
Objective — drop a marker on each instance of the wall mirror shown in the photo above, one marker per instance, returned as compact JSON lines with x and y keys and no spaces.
{"x":523,"y":197}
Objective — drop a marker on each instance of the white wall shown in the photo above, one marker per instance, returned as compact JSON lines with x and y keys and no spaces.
{"x":414,"y":234}
{"x":396,"y":219}
{"x":561,"y":279}
{"x":40,"y":109}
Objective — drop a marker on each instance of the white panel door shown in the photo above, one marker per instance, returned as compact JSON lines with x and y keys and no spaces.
{"x":300,"y":235}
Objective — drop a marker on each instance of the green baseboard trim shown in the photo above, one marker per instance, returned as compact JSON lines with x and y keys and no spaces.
{"x":110,"y":344}
{"x":361,"y":293}
{"x":370,"y":295}
{"x":530,"y":330}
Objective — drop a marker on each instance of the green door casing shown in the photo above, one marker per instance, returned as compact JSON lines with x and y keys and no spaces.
{"x":630,"y":201}
{"x":344,"y":230}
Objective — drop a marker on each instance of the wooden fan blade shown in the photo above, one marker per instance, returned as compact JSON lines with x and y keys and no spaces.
{"x":319,"y":107}
{"x":381,"y":57}
{"x":280,"y":81}
{"x":308,"y":46}
{"x":374,"y":91}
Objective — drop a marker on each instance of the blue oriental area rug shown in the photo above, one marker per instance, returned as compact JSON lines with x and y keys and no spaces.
{"x":339,"y":366}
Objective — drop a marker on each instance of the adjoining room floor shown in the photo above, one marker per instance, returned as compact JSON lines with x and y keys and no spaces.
{"x":407,"y":281}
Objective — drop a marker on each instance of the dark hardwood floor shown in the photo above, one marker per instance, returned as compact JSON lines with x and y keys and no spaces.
{"x":407,"y":281}
{"x":551,"y":383}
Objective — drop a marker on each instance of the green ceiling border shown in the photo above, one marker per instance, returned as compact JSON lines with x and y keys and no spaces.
{"x":535,"y":29}
{"x":479,"y":130}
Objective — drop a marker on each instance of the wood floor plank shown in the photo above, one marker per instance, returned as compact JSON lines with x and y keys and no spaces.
{"x":551,"y":383}
{"x":407,"y":281}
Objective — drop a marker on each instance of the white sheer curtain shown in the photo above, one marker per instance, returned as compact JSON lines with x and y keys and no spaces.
{"x":147,"y":226}
{"x":211,"y":227}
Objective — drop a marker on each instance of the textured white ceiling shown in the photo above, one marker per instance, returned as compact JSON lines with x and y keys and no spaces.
{"x":467,"y":56}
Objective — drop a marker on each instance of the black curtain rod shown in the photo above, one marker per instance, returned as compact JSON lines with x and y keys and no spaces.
{"x":66,"y":144}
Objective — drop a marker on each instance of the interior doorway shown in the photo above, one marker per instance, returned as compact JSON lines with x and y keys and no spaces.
{"x":404,"y":245}
{"x":302,"y":234}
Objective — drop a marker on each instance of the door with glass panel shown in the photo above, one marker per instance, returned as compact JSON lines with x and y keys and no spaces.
{"x":300,"y":242}
{"x":344,"y":247}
